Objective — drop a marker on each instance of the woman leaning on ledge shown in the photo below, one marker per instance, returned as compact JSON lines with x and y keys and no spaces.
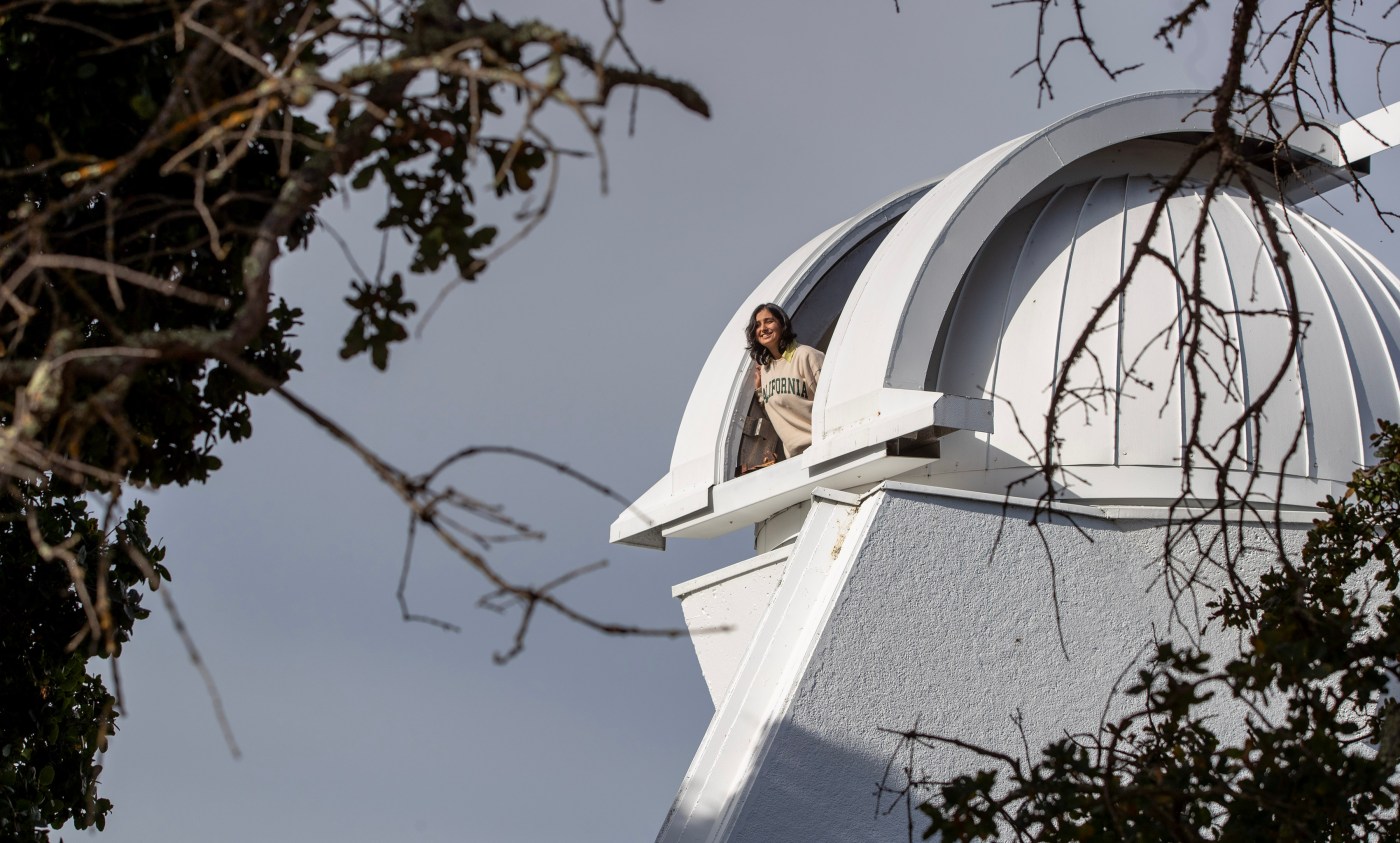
{"x":785,"y":375}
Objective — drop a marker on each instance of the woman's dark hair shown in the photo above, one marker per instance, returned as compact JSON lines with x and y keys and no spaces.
{"x":761,"y":355}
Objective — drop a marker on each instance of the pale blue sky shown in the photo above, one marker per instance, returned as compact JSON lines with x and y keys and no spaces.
{"x":581,"y":344}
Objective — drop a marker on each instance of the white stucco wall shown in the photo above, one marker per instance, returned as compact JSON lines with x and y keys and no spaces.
{"x":927,"y":624}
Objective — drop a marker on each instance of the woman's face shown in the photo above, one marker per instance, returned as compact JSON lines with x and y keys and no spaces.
{"x":768,"y":330}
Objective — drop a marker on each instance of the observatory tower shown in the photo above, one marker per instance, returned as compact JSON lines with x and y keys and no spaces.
{"x":897,"y":577}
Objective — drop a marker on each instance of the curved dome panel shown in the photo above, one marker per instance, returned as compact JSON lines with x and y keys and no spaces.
{"x":1149,"y":375}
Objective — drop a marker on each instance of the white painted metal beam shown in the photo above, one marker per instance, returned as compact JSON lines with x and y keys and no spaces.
{"x":1375,"y":132}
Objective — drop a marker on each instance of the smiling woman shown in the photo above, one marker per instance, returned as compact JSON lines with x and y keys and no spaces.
{"x":785,"y":375}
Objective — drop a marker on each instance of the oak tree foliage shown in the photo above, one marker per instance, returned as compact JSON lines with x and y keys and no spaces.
{"x":156,"y":159}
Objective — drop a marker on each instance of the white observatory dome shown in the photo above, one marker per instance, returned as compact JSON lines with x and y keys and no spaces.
{"x":946,"y":311}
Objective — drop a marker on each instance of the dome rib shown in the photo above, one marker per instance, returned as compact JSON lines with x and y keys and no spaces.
{"x":1327,"y":348}
{"x":1363,"y":330}
{"x":1259,"y":296}
{"x":1378,"y":287}
{"x":1150,"y":308}
{"x":1239,"y":346}
{"x":1093,"y":271}
{"x":1118,"y":369}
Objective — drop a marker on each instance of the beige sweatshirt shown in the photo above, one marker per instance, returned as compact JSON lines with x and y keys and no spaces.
{"x":788,"y":386}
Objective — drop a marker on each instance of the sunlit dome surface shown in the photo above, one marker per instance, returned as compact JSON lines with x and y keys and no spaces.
{"x":946,"y":310}
{"x":1036,"y":282}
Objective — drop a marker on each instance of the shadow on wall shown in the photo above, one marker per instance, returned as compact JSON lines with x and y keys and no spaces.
{"x":789,"y":801}
{"x":794,"y":797}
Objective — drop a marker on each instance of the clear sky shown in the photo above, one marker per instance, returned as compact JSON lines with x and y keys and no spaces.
{"x":581,"y":344}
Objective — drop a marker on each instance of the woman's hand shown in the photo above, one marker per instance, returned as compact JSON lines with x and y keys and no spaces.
{"x":757,"y":380}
